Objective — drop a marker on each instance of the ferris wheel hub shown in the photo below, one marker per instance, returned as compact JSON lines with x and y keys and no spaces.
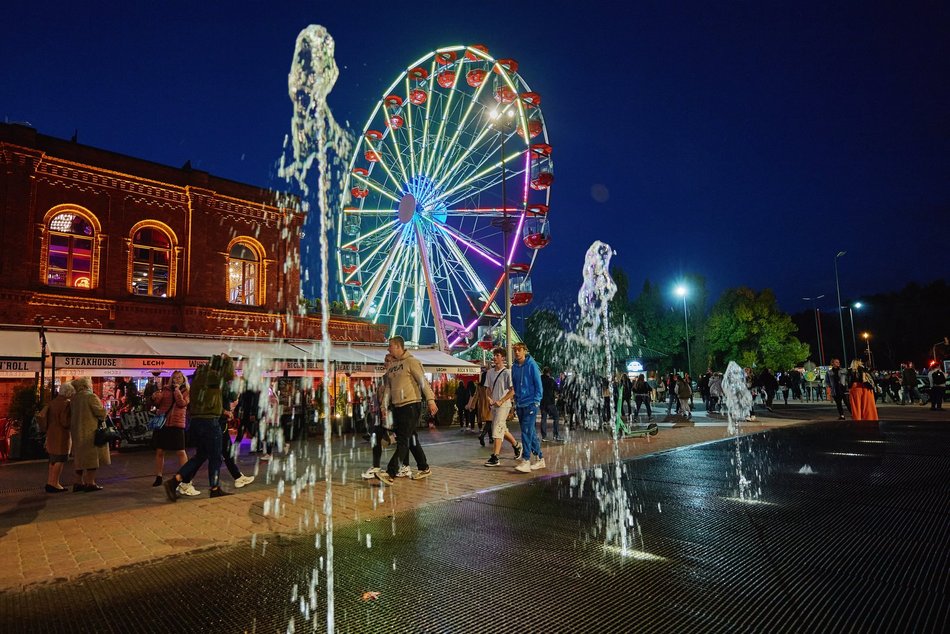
{"x":407,"y":208}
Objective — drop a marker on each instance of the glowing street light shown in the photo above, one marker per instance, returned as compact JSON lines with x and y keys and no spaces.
{"x":867,"y":340}
{"x":854,"y":340}
{"x":682,"y":291}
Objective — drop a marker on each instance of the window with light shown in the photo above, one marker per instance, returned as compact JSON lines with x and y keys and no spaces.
{"x":69,"y":262}
{"x":151,"y":262}
{"x":243,"y":267}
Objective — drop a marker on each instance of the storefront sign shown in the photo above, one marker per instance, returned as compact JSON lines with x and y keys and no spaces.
{"x":19,"y":366}
{"x":123,"y":363}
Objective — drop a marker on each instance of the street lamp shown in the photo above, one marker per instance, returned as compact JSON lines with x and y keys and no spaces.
{"x":844,"y":351}
{"x":681,"y":292}
{"x":854,"y":339}
{"x":503,"y":122}
{"x":867,"y":341}
{"x":821,"y":348}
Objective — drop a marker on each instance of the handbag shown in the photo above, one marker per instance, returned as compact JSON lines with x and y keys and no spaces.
{"x":105,"y":433}
{"x":157,"y":421}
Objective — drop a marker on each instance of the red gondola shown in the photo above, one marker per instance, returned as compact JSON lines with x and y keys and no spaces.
{"x":521,"y":293}
{"x":505,"y":94}
{"x":535,"y":127}
{"x":418,"y":96}
{"x":374,"y":135}
{"x":360,"y":171}
{"x":446,"y":57}
{"x":359,"y":192}
{"x":446,"y":78}
{"x":531,"y":99}
{"x":537,"y":231}
{"x":395,"y":121}
{"x":371,"y":155}
{"x":393,"y":101}
{"x":509,"y":65}
{"x":542,"y":176}
{"x":474,"y":57}
{"x":418,"y":73}
{"x":475,"y":77}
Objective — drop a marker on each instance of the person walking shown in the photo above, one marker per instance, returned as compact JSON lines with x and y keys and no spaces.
{"x":501,"y":393}
{"x":641,"y":390}
{"x":207,"y":404}
{"x":55,"y":420}
{"x":715,"y":393}
{"x":684,"y":391}
{"x":85,"y":412}
{"x":383,"y":432}
{"x":769,"y":383}
{"x":836,"y":380}
{"x":861,"y":392}
{"x":549,"y":405}
{"x":910,"y":394}
{"x":528,"y":392}
{"x":172,"y":401}
{"x":405,"y":386}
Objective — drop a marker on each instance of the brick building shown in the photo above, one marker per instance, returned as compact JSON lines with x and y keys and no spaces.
{"x":94,"y":239}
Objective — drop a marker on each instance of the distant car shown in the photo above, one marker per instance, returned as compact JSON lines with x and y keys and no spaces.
{"x":923,"y":386}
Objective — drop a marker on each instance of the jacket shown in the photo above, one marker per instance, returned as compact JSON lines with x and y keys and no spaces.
{"x":174,"y":414}
{"x":842,"y":380}
{"x":85,"y":412}
{"x":527,"y":380}
{"x":406,"y":382}
{"x":58,"y":442}
{"x":549,"y":391}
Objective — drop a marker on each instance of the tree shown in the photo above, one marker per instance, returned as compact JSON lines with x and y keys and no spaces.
{"x":543,"y":329}
{"x":747,"y":327}
{"x":660,"y":327}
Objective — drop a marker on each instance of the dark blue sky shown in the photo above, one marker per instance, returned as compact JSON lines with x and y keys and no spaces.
{"x":744,"y":141}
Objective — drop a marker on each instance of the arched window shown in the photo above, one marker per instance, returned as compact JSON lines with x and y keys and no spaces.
{"x":243,"y":275}
{"x":69,"y":258}
{"x":151,"y":262}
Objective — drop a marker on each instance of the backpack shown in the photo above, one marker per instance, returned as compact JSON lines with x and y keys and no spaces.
{"x":207,"y":386}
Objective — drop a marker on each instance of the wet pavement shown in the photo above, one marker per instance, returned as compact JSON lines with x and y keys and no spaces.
{"x":824,"y":526}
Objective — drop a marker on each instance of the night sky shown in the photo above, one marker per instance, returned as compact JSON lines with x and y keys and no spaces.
{"x":748,"y":142}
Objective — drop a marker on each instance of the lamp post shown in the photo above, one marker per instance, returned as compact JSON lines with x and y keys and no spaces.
{"x":503,"y":122}
{"x":854,"y":338}
{"x":867,"y":340}
{"x":681,"y":292}
{"x":844,"y":351}
{"x":821,"y":348}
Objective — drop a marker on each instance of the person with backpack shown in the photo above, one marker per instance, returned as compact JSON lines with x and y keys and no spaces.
{"x":207,"y":403}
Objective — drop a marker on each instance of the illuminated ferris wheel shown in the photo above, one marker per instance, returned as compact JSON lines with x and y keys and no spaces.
{"x":454,"y":158}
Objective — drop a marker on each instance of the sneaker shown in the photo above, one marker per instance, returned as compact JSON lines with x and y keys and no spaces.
{"x":841,"y":417}
{"x":218,"y":492}
{"x":370,"y":473}
{"x":385,"y":478}
{"x":171,"y":489}
{"x":543,"y":439}
{"x":243,"y":481}
{"x":481,"y":439}
{"x":421,"y":474}
{"x":187,"y":488}
{"x":493,"y":461}
{"x":157,"y":482}
{"x":538,"y":465}
{"x":524,"y":466}
{"x":519,"y":451}
{"x":265,"y":457}
{"x":752,"y":419}
{"x":558,"y":439}
{"x":404,"y":472}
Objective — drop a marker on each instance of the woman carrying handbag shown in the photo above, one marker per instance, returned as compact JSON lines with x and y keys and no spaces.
{"x":173,"y":400}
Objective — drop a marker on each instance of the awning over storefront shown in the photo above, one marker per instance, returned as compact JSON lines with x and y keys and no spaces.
{"x":21,"y":354}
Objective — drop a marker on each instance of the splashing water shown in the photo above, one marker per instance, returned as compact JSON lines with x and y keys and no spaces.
{"x":314,"y":135}
{"x":738,"y":400}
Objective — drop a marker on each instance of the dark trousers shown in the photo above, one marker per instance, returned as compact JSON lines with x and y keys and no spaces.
{"x":227,"y":453}
{"x":936,"y":397}
{"x":379,"y":436}
{"x":840,"y":398}
{"x":405,"y":420}
{"x":207,"y":436}
{"x":549,"y":410}
{"x":643,"y":399}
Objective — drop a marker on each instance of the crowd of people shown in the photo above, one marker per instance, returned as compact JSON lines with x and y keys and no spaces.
{"x":211,"y":405}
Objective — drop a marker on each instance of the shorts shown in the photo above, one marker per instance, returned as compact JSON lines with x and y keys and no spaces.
{"x":169,"y":439}
{"x":499,"y":420}
{"x":54,"y":458}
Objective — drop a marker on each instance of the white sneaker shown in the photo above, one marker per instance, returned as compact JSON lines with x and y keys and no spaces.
{"x":524,"y":466}
{"x":187,"y":488}
{"x":265,"y":457}
{"x":370,"y":473}
{"x":538,"y":465}
{"x":404,"y":472}
{"x":243,"y":481}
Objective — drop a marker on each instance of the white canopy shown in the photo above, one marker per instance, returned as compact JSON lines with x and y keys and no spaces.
{"x":20,"y":353}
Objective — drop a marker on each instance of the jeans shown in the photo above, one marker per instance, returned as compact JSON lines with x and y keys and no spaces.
{"x":405,"y":420}
{"x":549,"y":410}
{"x":207,"y":436}
{"x":228,"y":451}
{"x":643,"y":399}
{"x":911,"y":395}
{"x":841,"y":401}
{"x":527,"y":416}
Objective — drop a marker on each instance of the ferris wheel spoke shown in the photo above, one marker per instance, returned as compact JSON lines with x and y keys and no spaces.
{"x":448,"y":175}
{"x":458,"y":130}
{"x":446,"y":111}
{"x":369,"y":257}
{"x":401,"y":277}
{"x":474,"y":277}
{"x":395,"y":144}
{"x":409,"y":130}
{"x":425,"y":132}
{"x":378,"y":275}
{"x":377,"y":187}
{"x":465,"y":179}
{"x":486,"y":253}
{"x":363,"y":237}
